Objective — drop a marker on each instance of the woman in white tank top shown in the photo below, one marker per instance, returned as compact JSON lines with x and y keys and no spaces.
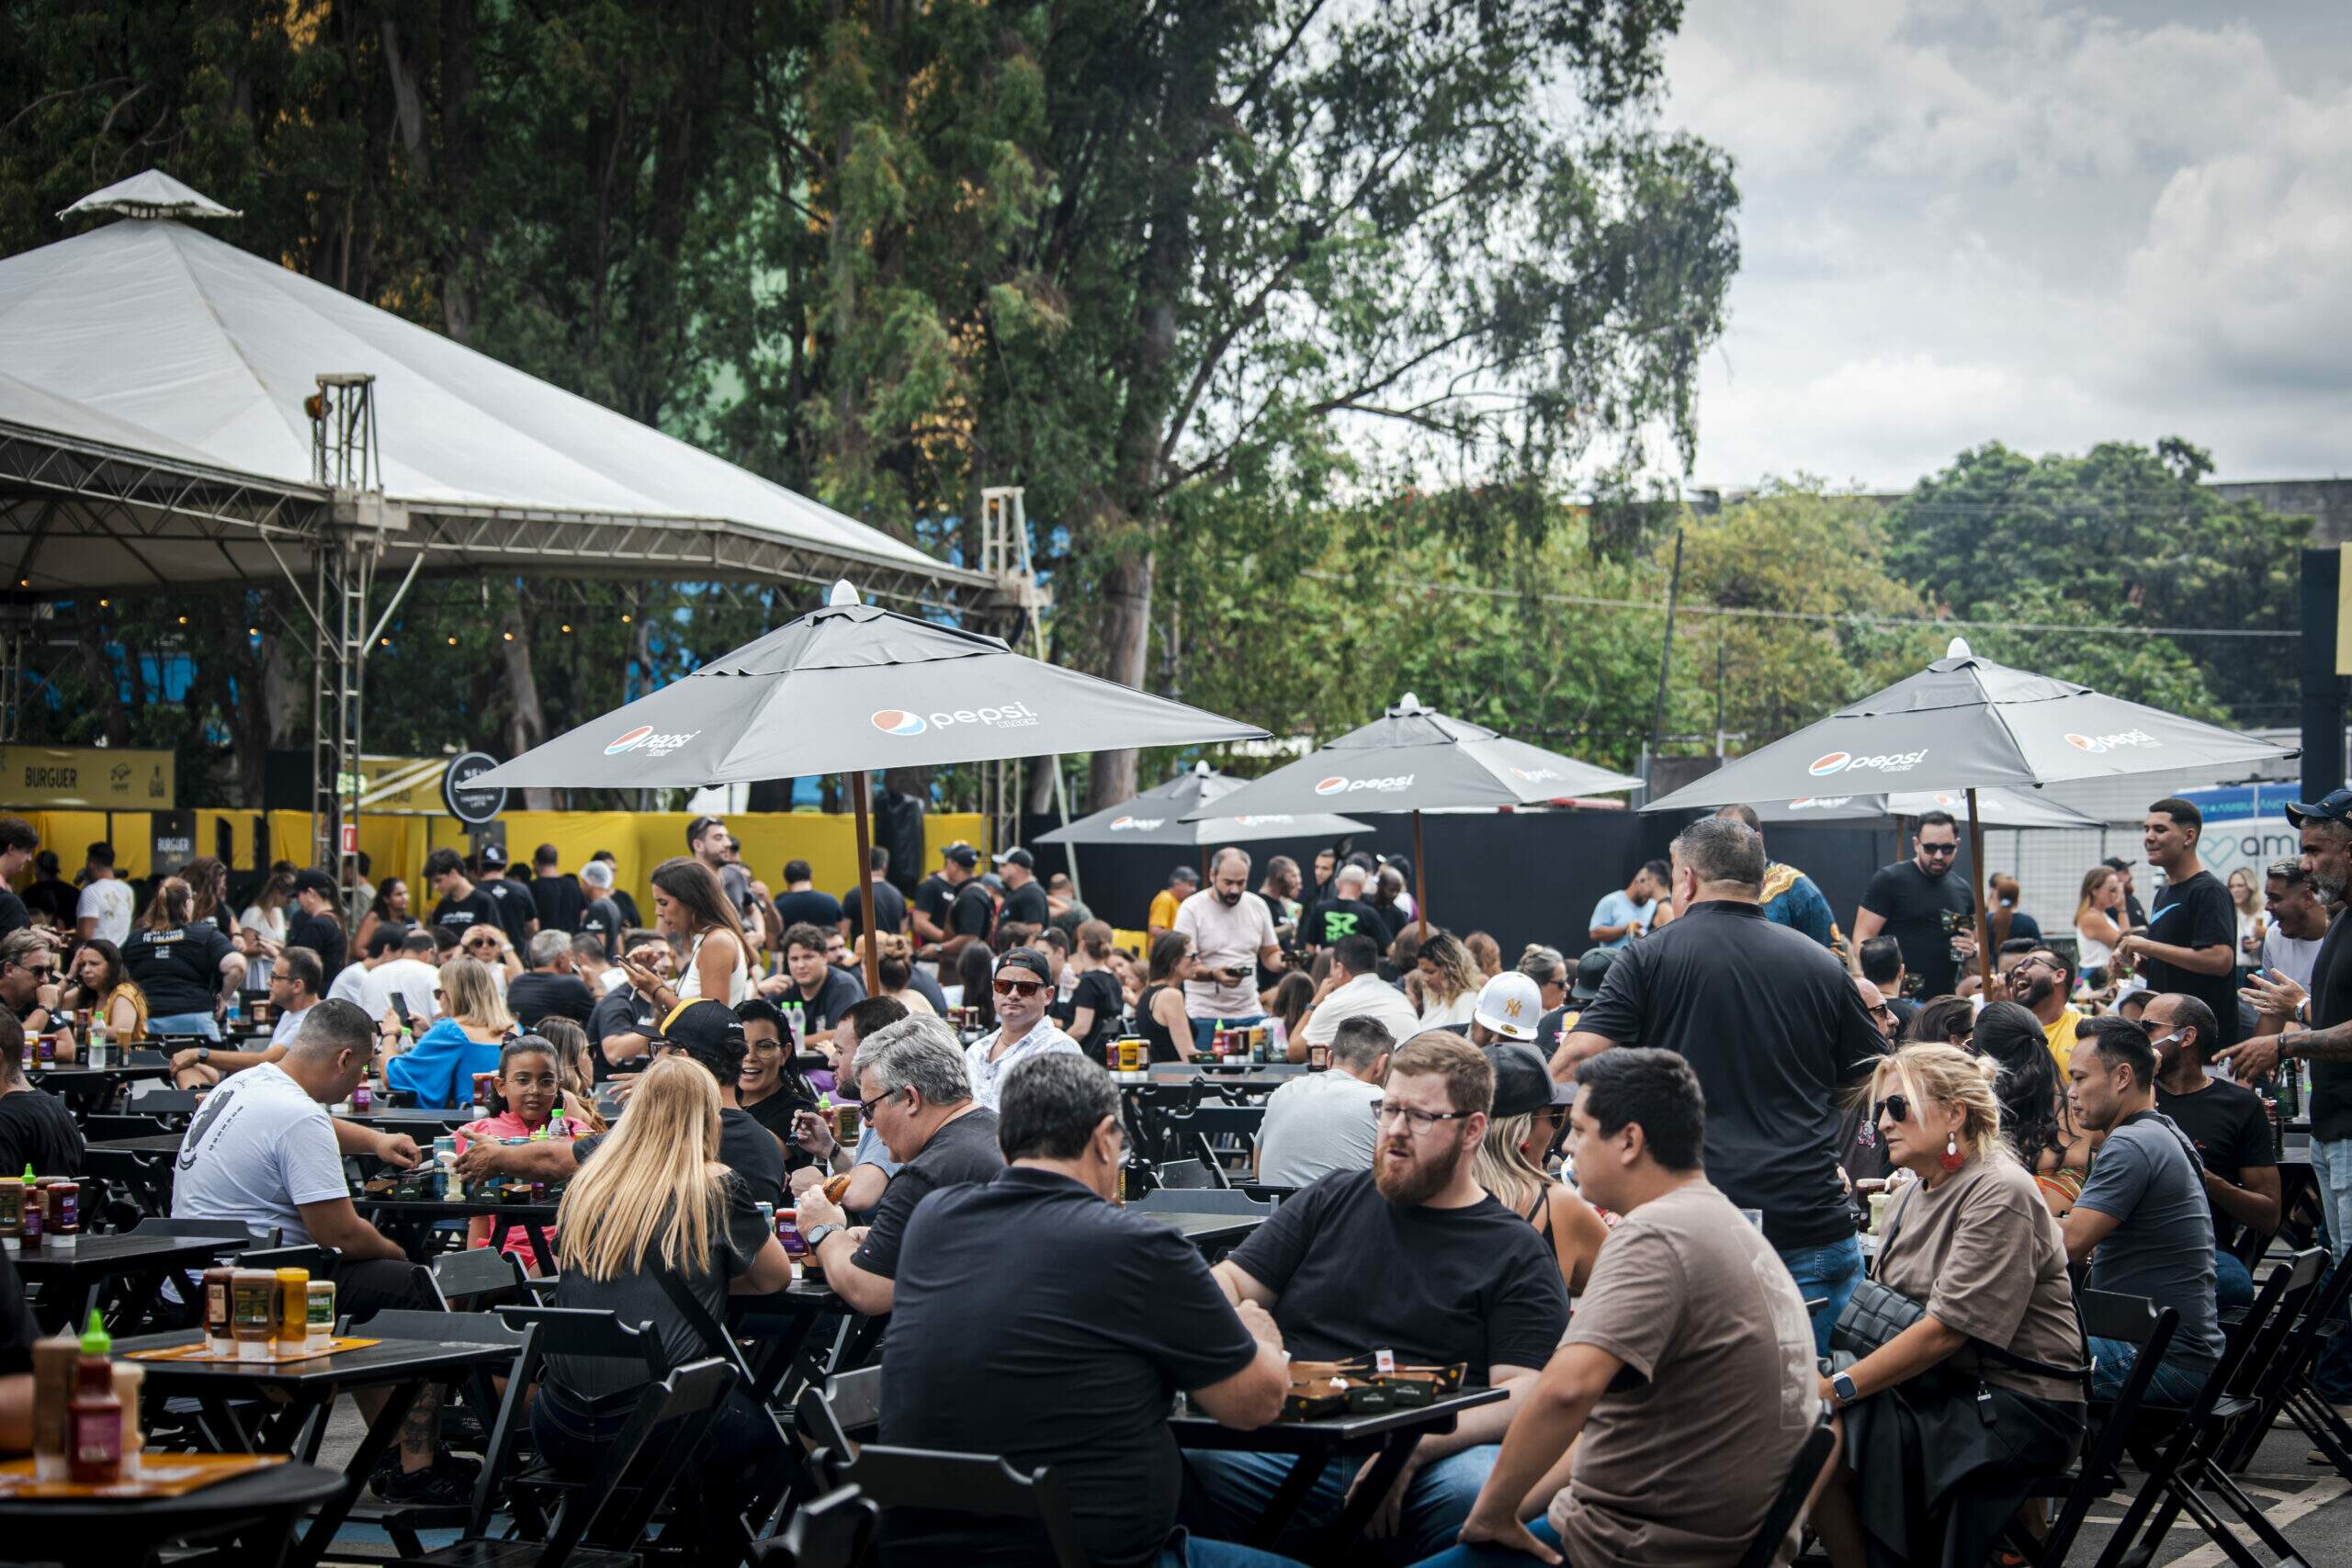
{"x":688,"y":901}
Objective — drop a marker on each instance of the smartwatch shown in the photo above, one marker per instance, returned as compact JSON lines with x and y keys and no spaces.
{"x":204,"y":1053}
{"x":816,"y":1238}
{"x":1842,"y":1385}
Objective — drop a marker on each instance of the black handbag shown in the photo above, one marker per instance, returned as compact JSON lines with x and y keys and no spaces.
{"x":1875,"y":1313}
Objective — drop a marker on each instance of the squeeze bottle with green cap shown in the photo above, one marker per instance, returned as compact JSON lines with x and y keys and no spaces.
{"x":94,"y":1420}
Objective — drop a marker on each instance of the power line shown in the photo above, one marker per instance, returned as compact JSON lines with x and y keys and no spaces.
{"x":1822,"y":616}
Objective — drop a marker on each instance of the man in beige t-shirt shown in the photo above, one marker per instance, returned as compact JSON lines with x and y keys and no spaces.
{"x":1686,"y":1380}
{"x":1235,"y":948}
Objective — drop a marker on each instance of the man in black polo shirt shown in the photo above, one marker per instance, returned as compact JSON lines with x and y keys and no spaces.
{"x":1412,"y":1256}
{"x":889,"y":904}
{"x":550,"y":987}
{"x":1089,"y":1326}
{"x":2190,"y":942}
{"x":971,"y":913}
{"x":462,"y":904}
{"x":1773,"y":1027}
{"x":1918,"y":902}
{"x":821,"y":992}
{"x":623,"y":1024}
{"x":518,"y":916}
{"x":1024,"y":896}
{"x":555,"y":895}
{"x":800,"y":904}
{"x":2230,"y":1130}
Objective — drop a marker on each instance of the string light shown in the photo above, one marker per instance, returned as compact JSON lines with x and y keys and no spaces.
{"x":183,"y":620}
{"x":624,"y":620}
{"x":252,"y":631}
{"x":104,"y":603}
{"x":453,"y":642}
{"x":567,"y":626}
{"x":508,"y":635}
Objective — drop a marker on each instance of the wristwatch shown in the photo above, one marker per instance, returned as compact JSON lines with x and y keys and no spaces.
{"x":204,"y":1053}
{"x":1842,"y":1385}
{"x":816,"y":1238}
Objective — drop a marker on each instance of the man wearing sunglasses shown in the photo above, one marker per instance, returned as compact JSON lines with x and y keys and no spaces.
{"x":1912,"y":901}
{"x":1022,"y":984}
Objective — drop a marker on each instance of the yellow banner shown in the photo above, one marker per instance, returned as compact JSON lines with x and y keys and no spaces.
{"x":97,"y":777}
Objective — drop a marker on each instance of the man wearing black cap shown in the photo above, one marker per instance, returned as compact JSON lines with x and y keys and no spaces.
{"x":970,"y":913}
{"x":1022,"y":984}
{"x":318,"y":929}
{"x":1024,"y":896}
{"x":518,"y":916}
{"x":927,"y":911}
{"x":702,"y":1029}
{"x":2123,"y":868}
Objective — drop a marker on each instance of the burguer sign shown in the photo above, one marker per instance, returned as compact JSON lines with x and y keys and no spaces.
{"x":97,"y":777}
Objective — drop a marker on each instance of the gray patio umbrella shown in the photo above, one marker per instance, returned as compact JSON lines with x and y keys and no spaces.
{"x":1969,"y":723}
{"x":1415,"y":759}
{"x":851,"y":688}
{"x":1156,"y":817}
{"x":2000,"y":807}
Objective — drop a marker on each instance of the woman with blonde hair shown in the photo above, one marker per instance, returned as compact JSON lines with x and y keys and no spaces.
{"x":1507,"y":1170}
{"x":1949,"y":1420}
{"x":894,"y":967}
{"x":688,"y":902}
{"x":439,"y":1069}
{"x":1449,"y":981}
{"x":655,"y":1230}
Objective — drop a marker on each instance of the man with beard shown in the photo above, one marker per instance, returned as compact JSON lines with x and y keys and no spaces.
{"x":1920,"y":904}
{"x":2040,"y":982}
{"x":2190,"y":941}
{"x":1414,"y":1256}
{"x":1235,"y":949}
{"x":2230,"y":1128}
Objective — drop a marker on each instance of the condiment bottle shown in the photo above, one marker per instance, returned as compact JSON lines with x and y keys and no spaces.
{"x":220,"y":1312}
{"x":53,"y":1364}
{"x":93,"y":1419}
{"x":129,"y":1378}
{"x":253,"y":1322}
{"x":293,"y":1308}
{"x":319,"y":1313}
{"x":31,"y":1235}
{"x":64,"y":1216}
{"x":12,"y":1212}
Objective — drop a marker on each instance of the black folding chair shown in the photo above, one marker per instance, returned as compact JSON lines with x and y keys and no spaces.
{"x":833,"y":1532}
{"x":131,"y":1185}
{"x":477,"y":1279}
{"x":1188,"y":1174}
{"x":104,"y":1127}
{"x":2134,"y":1319}
{"x":833,"y":1418}
{"x":319,"y":1260}
{"x":1217,"y":1133}
{"x":619,"y":1502}
{"x":224,"y":1230}
{"x":1201,"y":1201}
{"x":1812,"y":1458}
{"x":983,"y":1485}
{"x":2291,"y":1390}
{"x":401,"y":1521}
{"x":150,"y":1097}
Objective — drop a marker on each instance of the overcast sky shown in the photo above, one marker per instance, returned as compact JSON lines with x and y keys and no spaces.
{"x":1974,"y":219}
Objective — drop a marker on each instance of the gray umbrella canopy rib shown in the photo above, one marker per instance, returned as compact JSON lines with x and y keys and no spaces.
{"x":1157,"y":817}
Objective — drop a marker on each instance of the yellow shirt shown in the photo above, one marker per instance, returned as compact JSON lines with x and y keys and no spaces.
{"x":2060,"y":1036}
{"x":1163,"y":911}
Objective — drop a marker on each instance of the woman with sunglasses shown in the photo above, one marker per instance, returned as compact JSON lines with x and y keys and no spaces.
{"x":487,"y":945}
{"x":439,"y":1069}
{"x":688,"y":901}
{"x":1983,"y":1393}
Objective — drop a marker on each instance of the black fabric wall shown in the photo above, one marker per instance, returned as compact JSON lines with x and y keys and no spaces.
{"x":1522,"y":877}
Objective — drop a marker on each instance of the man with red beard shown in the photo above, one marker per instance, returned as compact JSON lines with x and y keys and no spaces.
{"x":1412,"y":1256}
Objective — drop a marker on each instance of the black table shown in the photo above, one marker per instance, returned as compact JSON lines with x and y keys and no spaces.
{"x":410,"y":1221}
{"x":153,"y":1143}
{"x":297,"y":1395}
{"x":448,"y":1116}
{"x":781,"y":1324}
{"x":1391,"y":1433}
{"x":1213,"y":1234}
{"x":85,"y":1089}
{"x":61,"y":1279}
{"x":256,"y":1511}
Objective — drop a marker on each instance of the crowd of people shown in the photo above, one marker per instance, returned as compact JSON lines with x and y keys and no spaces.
{"x":1690,"y":1133}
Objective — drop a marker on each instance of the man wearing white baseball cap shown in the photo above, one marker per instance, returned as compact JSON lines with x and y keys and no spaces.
{"x":1509,"y":1007}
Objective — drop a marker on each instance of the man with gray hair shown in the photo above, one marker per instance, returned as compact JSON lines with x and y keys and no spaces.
{"x":1238,"y":952}
{"x":600,"y":913}
{"x":1773,"y":1026}
{"x":550,"y":989}
{"x":914,"y":1089}
{"x":1319,"y":1122}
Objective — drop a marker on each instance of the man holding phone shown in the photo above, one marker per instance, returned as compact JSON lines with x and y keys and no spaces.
{"x":1234,"y":944}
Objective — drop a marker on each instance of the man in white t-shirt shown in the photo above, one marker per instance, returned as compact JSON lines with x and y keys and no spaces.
{"x":1355,"y":990}
{"x":105,"y":904}
{"x":2298,"y":922}
{"x":383,"y":946}
{"x":415,"y":976}
{"x":1234,"y":944}
{"x":1324,"y":1122}
{"x":263,"y":1149}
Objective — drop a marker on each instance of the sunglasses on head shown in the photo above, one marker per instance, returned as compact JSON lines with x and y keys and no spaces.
{"x":1018,"y":987}
{"x":1893,"y":1105}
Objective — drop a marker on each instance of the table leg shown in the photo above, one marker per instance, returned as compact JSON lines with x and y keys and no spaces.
{"x":1374,"y":1486}
{"x":1305,"y":1472}
{"x":381,"y":1434}
{"x":139,"y":1297}
{"x":536,"y":1234}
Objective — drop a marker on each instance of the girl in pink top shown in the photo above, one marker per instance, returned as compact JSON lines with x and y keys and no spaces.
{"x":529,"y":1094}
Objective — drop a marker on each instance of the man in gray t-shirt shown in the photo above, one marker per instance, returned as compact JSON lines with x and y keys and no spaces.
{"x":1323,"y":1122}
{"x":2142,"y":1218}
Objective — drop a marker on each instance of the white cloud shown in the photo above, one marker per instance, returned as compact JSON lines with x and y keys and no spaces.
{"x":1964,"y":223}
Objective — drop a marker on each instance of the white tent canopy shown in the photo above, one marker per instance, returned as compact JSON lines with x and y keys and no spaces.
{"x":144,"y":353}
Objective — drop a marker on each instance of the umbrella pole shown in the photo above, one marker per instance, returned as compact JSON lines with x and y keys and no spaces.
{"x":865,"y":884}
{"x":1976,"y":896}
{"x":1420,"y":879}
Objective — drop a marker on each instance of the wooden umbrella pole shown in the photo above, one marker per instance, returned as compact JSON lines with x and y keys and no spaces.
{"x":866,"y":886}
{"x":1420,"y":879}
{"x":1976,"y":896}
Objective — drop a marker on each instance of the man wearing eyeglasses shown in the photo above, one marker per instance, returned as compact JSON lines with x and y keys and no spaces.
{"x":1922,"y":905}
{"x":1022,"y":984}
{"x":2040,"y":982}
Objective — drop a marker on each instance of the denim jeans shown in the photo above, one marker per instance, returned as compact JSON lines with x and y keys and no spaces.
{"x":2113,"y":1361}
{"x":1184,"y":1551}
{"x":1204,"y":1027}
{"x":1832,"y":1271}
{"x":184,"y":1023}
{"x":2332,"y":1174}
{"x":1226,"y":1493}
{"x":1486,"y":1554}
{"x":2232,"y":1286}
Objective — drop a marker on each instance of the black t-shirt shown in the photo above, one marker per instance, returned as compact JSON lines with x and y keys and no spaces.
{"x":2331,"y":996}
{"x":1772,"y":1025}
{"x":534,"y":996}
{"x":919,"y":979}
{"x":179,"y":969}
{"x":1913,"y":904}
{"x":1476,"y":1284}
{"x":744,"y":1148}
{"x":1090,"y":1328}
{"x":776,"y":1112}
{"x":458,"y":913}
{"x":934,"y":896}
{"x":635,"y":1295}
{"x":1097,"y":988}
{"x":2232,"y":1132}
{"x":516,"y":911}
{"x":37,"y":1130}
{"x":810,"y":908}
{"x":962,"y":1150}
{"x":890,"y":911}
{"x":2195,"y":911}
{"x":840,"y":992}
{"x":620,"y":1011}
{"x":558,"y":901}
{"x":322,"y":936}
{"x":973,"y":912}
{"x":600,"y":918}
{"x":1336,"y":918}
{"x":1027,"y":905}
{"x":628,"y":907}
{"x":15,"y":917}
{"x":55,"y":897}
